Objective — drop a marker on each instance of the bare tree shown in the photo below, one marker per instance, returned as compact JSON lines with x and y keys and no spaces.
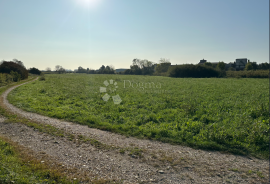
{"x":163,"y":65}
{"x":112,"y":67}
{"x":59,"y":69}
{"x":48,"y":69}
{"x":164,"y":60}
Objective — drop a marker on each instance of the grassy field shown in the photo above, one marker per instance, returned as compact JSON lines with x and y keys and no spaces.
{"x":212,"y":113}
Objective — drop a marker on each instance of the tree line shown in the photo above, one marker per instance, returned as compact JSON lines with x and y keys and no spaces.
{"x":164,"y":68}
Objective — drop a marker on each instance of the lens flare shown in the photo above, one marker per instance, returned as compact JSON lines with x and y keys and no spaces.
{"x":89,"y":3}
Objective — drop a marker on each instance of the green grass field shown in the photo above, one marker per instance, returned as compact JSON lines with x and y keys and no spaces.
{"x":211,"y":113}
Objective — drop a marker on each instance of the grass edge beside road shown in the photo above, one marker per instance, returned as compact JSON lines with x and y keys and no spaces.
{"x":22,"y":160}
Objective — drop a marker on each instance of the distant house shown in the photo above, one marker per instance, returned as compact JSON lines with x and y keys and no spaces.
{"x":230,"y":65}
{"x":202,"y":61}
{"x":214,"y":63}
{"x":240,"y":63}
{"x":120,"y":70}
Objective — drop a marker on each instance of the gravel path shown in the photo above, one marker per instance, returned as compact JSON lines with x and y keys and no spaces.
{"x":158,"y":162}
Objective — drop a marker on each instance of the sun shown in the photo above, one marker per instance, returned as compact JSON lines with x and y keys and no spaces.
{"x":89,"y":3}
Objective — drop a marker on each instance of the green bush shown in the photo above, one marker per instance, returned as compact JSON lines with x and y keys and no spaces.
{"x":195,"y":71}
{"x":16,"y":76}
{"x":42,"y":78}
{"x":34,"y":71}
{"x":248,"y":74}
{"x":5,"y":79}
{"x":7,"y":67}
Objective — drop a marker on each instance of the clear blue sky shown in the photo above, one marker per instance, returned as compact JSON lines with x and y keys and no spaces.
{"x":74,"y":33}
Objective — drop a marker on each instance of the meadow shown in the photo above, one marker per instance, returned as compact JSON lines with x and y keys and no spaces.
{"x":225,"y":114}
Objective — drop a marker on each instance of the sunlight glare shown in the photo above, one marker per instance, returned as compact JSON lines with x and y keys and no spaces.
{"x":89,"y":3}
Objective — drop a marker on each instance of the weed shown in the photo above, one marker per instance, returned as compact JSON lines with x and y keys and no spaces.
{"x":249,"y":172}
{"x":122,"y":151}
{"x":260,"y":174}
{"x":234,"y":169}
{"x":135,"y":152}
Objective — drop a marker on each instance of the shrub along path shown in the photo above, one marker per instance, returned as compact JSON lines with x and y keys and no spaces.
{"x":104,"y":155}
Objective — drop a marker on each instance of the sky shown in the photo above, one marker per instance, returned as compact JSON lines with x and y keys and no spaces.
{"x":91,"y":33}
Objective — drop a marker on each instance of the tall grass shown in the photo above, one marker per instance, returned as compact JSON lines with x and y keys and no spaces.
{"x":5,"y":79}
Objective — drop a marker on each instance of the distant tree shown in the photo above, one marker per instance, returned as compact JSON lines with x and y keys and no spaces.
{"x":163,"y":65}
{"x":135,"y":68}
{"x":208,"y":64}
{"x":102,"y":68}
{"x":59,"y":69}
{"x":34,"y":71}
{"x":62,"y":70}
{"x":112,"y":67}
{"x":249,"y":66}
{"x":254,"y":65}
{"x":221,"y":65}
{"x":147,"y":67}
{"x":81,"y":70}
{"x":263,"y":66}
{"x":127,"y":72}
{"x":91,"y":71}
{"x":106,"y":70}
{"x":195,"y":71}
{"x":142,"y":67}
{"x":137,"y":62}
{"x":48,"y":69}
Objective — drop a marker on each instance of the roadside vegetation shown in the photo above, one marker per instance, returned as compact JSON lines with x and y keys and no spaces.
{"x":18,"y":167}
{"x":225,"y":114}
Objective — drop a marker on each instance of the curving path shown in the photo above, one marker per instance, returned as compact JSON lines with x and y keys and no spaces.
{"x":159,"y":163}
